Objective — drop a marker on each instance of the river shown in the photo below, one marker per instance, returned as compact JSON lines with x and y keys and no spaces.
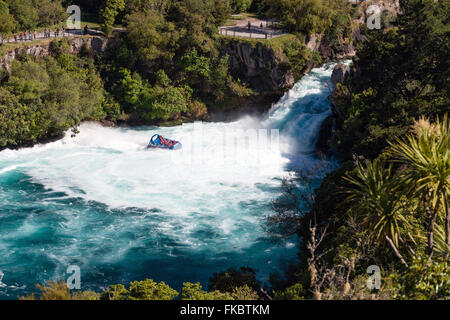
{"x":120,"y":212}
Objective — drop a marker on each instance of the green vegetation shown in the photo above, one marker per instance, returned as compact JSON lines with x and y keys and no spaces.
{"x":142,"y":290}
{"x":388,"y":204}
{"x":313,"y":16}
{"x":109,"y":13}
{"x":29,"y":14}
{"x":391,"y":212}
{"x":403,"y":75}
{"x":238,"y":6}
{"x":168,"y":63}
{"x":167,"y":66}
{"x":7,"y":22}
{"x":42,"y":99}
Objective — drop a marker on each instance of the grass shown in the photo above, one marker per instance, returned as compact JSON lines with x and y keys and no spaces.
{"x":229,"y":22}
{"x":277,"y":42}
{"x":238,"y":17}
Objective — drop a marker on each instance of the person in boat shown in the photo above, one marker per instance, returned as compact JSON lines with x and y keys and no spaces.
{"x":158,"y":141}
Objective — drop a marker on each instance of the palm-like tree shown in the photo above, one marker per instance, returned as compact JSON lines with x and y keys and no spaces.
{"x":425,"y":154}
{"x":375,"y":193}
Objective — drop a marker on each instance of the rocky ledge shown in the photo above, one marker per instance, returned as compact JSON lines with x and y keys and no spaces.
{"x":97,"y":44}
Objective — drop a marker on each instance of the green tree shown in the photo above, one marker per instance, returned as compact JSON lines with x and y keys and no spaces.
{"x":196,"y":66}
{"x":424,"y":280}
{"x":24,"y":12}
{"x":194,"y":291}
{"x":49,"y":96}
{"x":295,"y":292}
{"x":151,"y":290}
{"x":151,"y":35}
{"x":375,"y":199}
{"x":140,"y":290}
{"x":306,"y":16}
{"x":426,"y":157}
{"x":238,"y":6}
{"x":161,"y":103}
{"x":401,"y":74}
{"x":129,"y":88}
{"x":7,"y":26}
{"x":50,"y":12}
{"x":109,"y":13}
{"x":19,"y":123}
{"x":232,"y":278}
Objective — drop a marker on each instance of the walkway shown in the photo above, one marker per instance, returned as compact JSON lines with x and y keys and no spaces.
{"x":68,"y":33}
{"x":259,"y":29}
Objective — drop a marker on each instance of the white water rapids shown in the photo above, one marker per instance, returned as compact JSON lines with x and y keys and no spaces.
{"x":121,"y":212}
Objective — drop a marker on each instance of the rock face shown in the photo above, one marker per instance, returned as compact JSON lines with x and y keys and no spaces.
{"x":97,"y":44}
{"x":340,"y":71}
{"x":258,"y":66}
{"x":343,"y":50}
{"x":267,"y":72}
{"x":37,"y":51}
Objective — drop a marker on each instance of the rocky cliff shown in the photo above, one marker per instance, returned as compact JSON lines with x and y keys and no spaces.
{"x":258,"y":65}
{"x":40,"y":50}
{"x":344,"y":48}
{"x":266,"y":70}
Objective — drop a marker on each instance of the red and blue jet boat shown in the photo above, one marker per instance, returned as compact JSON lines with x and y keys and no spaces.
{"x":158,"y":141}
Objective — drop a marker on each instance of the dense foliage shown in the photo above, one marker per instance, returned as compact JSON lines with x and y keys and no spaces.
{"x":313,"y":16}
{"x":400,"y":74}
{"x":388,"y":205}
{"x":29,"y":14}
{"x":168,"y":63}
{"x":42,"y":99}
{"x":141,"y":290}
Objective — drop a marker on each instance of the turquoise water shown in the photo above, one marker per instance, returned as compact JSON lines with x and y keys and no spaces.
{"x":120,"y":212}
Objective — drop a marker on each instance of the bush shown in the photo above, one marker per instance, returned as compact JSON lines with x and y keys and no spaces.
{"x":194,"y":291}
{"x":232,"y":278}
{"x":295,"y":292}
{"x":424,"y":280}
{"x":140,"y":290}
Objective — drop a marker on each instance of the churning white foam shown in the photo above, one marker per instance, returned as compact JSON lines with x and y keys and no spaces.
{"x":221,"y":168}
